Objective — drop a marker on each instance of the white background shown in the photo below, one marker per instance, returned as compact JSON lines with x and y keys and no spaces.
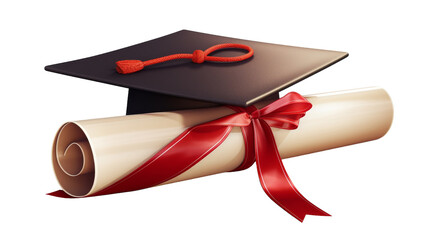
{"x":373,"y":190}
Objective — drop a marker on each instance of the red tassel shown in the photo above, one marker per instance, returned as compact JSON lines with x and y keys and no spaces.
{"x":129,"y":66}
{"x":198,"y":56}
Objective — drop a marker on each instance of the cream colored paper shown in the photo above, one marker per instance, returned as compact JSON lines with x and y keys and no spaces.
{"x":90,"y":155}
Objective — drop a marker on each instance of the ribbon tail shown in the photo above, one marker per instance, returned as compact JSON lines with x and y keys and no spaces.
{"x":60,"y":194}
{"x":274,"y":179}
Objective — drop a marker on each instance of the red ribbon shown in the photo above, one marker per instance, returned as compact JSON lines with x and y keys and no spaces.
{"x":197,"y":142}
{"x":198,"y":56}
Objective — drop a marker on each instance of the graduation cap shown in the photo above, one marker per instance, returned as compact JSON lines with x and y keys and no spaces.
{"x":182,"y":84}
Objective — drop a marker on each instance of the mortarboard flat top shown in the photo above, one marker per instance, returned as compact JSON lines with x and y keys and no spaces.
{"x":272,"y":68}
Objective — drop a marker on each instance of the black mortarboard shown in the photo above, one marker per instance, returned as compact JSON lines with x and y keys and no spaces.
{"x":181,"y":84}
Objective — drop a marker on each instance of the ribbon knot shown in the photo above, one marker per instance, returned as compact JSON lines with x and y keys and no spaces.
{"x":255,"y":114}
{"x":198,"y":56}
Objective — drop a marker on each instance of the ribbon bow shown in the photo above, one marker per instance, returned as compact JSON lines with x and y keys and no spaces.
{"x":197,"y":142}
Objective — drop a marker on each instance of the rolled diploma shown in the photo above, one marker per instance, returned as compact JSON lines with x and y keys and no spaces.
{"x":90,"y":155}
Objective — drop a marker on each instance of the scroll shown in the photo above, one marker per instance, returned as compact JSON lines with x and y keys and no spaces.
{"x":90,"y":155}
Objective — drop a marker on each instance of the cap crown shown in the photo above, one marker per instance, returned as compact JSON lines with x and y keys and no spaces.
{"x":272,"y":68}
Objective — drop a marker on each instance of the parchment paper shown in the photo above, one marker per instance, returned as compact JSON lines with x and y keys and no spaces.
{"x":90,"y":155}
